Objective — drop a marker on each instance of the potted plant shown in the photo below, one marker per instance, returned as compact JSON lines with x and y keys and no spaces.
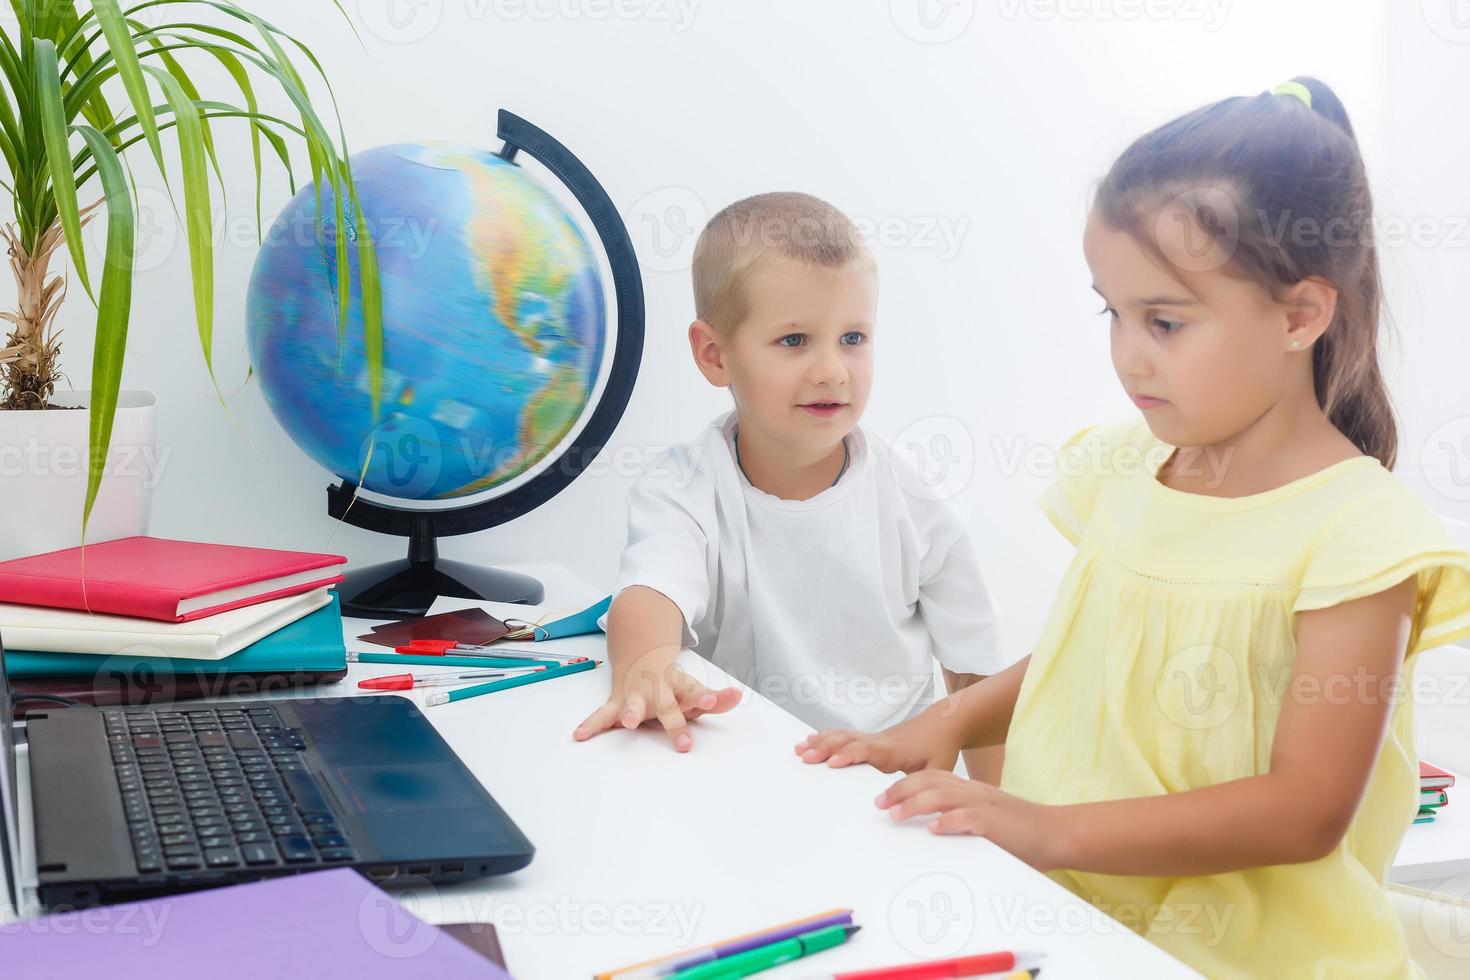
{"x":84,"y":84}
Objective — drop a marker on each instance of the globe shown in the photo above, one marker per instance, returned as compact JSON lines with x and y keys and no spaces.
{"x":493,"y":324}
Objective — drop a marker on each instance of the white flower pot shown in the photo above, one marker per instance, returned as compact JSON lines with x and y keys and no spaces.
{"x":43,"y":475}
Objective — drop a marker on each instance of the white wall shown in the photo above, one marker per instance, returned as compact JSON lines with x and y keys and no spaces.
{"x":992,"y":137}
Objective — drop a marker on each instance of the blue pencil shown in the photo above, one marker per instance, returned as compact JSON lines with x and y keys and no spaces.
{"x":475,"y":690}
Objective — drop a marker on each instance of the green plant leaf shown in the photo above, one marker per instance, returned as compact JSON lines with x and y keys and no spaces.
{"x":191,"y":92}
{"x":58,"y":156}
{"x":198,"y":222}
{"x":124,"y":54}
{"x":114,"y":305}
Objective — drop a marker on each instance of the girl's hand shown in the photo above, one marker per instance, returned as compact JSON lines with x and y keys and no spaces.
{"x":1036,"y":833}
{"x":921,"y":742}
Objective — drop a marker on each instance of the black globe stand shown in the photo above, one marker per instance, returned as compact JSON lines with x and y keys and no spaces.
{"x":408,"y":587}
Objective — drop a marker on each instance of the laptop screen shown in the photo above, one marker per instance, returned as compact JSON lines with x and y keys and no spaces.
{"x":10,"y":832}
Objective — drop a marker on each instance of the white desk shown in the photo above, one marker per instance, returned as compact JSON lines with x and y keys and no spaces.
{"x":1436,"y":856}
{"x":642,"y":851}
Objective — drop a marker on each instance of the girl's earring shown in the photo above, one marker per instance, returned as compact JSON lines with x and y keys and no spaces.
{"x":1296,"y":345}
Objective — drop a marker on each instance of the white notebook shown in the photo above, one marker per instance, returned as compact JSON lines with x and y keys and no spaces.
{"x":40,"y":629}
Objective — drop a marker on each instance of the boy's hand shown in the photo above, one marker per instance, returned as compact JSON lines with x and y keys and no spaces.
{"x":655,"y":689}
{"x":919,"y":743}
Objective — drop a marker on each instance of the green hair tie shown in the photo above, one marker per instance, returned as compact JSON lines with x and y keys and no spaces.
{"x":1296,"y":89}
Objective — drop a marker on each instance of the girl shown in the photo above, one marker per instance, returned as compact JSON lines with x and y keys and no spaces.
{"x":1212,"y":738}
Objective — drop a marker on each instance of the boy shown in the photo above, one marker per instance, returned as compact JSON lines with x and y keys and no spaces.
{"x":781,"y":545}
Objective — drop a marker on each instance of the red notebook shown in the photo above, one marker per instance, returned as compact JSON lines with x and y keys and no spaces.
{"x":155,"y":578}
{"x":1433,"y":777}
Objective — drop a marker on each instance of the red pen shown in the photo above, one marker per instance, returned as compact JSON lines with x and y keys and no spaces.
{"x":439,"y":648}
{"x":407,"y":682}
{"x":959,"y":966}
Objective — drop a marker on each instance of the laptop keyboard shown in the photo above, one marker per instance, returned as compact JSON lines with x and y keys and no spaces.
{"x":217,"y":789}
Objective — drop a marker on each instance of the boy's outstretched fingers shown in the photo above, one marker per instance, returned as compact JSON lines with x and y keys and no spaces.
{"x":600,"y":720}
{"x":673,"y":721}
{"x":695,"y":699}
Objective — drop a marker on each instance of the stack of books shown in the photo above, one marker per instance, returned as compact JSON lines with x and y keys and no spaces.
{"x":147,"y":620}
{"x":1434,"y":786}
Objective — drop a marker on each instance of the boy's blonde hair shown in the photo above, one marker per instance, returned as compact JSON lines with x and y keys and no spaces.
{"x":750,"y":233}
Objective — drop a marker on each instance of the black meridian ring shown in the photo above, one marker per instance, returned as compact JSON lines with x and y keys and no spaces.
{"x":371,"y":515}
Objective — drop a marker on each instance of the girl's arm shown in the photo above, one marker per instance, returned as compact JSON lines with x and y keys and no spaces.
{"x":1332,"y":720}
{"x":976,"y":716}
{"x":983,"y":763}
{"x":979,"y":714}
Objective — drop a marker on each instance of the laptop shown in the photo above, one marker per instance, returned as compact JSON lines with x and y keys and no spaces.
{"x":134,"y":802}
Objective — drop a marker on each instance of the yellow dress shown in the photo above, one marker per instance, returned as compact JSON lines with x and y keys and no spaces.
{"x":1162,"y":668}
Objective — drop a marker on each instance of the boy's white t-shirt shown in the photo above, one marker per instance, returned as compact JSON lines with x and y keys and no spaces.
{"x":833,"y":607}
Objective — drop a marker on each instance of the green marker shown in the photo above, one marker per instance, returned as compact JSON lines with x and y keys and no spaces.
{"x":477,"y":689}
{"x":767,"y":957}
{"x":435,"y":660}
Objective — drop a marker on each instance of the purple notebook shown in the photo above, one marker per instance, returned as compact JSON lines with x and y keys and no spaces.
{"x":321,"y":924}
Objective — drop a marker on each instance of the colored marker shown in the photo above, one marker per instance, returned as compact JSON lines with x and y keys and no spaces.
{"x":510,"y":682}
{"x":767,"y":957}
{"x":436,"y":660}
{"x":437,"y":647}
{"x":668,"y":964}
{"x":741,"y":944}
{"x":959,"y":966}
{"x":407,"y":682}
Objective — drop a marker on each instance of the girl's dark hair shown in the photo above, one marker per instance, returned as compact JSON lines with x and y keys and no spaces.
{"x":1296,"y":206}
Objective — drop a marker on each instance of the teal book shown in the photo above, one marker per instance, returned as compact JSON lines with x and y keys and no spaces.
{"x":312,"y":644}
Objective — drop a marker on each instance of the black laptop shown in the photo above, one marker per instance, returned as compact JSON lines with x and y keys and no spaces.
{"x":130,"y":802}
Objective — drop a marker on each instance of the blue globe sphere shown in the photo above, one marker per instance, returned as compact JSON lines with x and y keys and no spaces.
{"x":493,"y":324}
